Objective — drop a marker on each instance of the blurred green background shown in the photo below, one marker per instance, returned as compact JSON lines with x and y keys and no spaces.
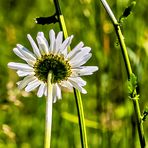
{"x":108,"y":111}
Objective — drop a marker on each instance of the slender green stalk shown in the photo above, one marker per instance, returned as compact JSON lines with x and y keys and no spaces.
{"x":48,"y":122}
{"x":76,"y":92}
{"x":128,"y":69}
{"x":81,"y":118}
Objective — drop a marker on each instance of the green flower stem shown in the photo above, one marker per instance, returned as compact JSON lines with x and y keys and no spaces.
{"x":128,"y":69}
{"x":48,"y":122}
{"x":81,"y":118}
{"x":76,"y":92}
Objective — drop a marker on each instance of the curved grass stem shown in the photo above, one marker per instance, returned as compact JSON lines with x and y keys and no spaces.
{"x":81,"y":118}
{"x":128,"y":69}
{"x":76,"y":92}
{"x":48,"y":122}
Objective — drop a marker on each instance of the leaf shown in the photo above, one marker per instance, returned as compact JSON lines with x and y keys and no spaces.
{"x":132,"y":85}
{"x":145,"y":114}
{"x":127,"y":11}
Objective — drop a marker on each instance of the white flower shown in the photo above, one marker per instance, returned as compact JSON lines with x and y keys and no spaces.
{"x":66,"y":67}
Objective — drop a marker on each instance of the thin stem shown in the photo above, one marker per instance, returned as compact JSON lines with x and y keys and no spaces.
{"x":60,"y":18}
{"x":81,"y":118}
{"x":48,"y":123}
{"x":128,"y":69}
{"x":76,"y":92}
{"x":120,"y":37}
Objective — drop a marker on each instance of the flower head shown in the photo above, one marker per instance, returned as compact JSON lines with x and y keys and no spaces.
{"x":66,"y":67}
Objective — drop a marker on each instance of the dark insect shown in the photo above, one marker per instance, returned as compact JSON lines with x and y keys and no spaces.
{"x":46,"y":20}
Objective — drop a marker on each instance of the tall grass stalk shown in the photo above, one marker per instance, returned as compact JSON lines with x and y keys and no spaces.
{"x":76,"y":92}
{"x":128,"y":69}
{"x":48,"y":123}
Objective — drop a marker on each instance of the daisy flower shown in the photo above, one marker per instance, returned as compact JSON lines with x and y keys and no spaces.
{"x":66,"y":67}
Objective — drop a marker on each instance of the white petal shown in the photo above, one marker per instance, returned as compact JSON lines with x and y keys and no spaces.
{"x":81,"y":61}
{"x":86,"y":49}
{"x":88,"y":69}
{"x":66,"y":84}
{"x":74,"y":51}
{"x":26,"y":52}
{"x":59,"y":95}
{"x":52,"y":39}
{"x":24,"y":73}
{"x":30,"y":62}
{"x":41,"y":34}
{"x":77,"y":86}
{"x":43,"y":46}
{"x":85,"y":70}
{"x":79,"y":55}
{"x":58,"y":42}
{"x":78,"y":80}
{"x":64,"y":52}
{"x":45,"y":90}
{"x":56,"y":92}
{"x":34,"y":46}
{"x":25,"y":81}
{"x":78,"y":52}
{"x":32,"y":85}
{"x":65,"y":44}
{"x":41,"y":90}
{"x":20,"y":66}
{"x":19,"y":54}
